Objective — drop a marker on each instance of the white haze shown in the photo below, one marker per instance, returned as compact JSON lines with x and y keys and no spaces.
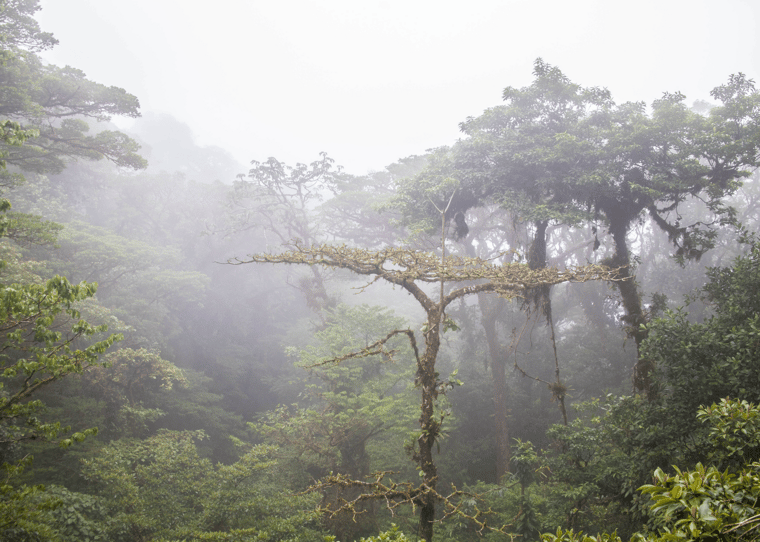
{"x":373,"y":81}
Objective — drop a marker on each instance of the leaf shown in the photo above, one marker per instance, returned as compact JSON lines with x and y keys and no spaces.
{"x":705,"y":513}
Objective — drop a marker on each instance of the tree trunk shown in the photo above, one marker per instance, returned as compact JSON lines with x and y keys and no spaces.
{"x":490,"y":309}
{"x":539,"y":297}
{"x":429,"y":426}
{"x":634,"y":314}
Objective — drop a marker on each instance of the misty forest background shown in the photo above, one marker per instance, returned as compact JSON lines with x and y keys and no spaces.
{"x":159,"y":383}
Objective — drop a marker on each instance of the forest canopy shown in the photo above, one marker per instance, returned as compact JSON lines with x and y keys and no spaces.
{"x":547,"y":330}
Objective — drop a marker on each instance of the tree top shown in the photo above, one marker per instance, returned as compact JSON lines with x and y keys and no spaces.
{"x":403,"y":266}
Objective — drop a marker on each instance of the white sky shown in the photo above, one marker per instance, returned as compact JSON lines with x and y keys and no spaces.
{"x":372,"y":81}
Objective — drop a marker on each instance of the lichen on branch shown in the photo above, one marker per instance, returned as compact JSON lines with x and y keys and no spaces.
{"x":403,"y":265}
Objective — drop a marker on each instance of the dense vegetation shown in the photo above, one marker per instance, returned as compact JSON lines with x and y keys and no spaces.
{"x":557,"y":329}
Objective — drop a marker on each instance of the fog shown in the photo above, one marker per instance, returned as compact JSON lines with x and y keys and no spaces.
{"x":287,"y":298}
{"x":369,"y":82}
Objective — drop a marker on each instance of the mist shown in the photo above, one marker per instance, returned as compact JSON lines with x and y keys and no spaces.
{"x":330,"y":271}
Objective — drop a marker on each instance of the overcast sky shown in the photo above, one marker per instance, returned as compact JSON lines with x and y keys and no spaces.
{"x":372,"y":81}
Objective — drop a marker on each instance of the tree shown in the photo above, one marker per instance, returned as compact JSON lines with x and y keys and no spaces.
{"x":406,"y":268}
{"x":39,"y":328}
{"x":279,"y":200}
{"x":494,"y":235}
{"x":35,"y":352}
{"x":703,"y":503}
{"x":353,"y":416}
{"x":701,"y":362}
{"x":19,"y":29}
{"x":615,"y":445}
{"x":144,"y":284}
{"x":161,"y":488}
{"x":42,"y":334}
{"x":52,"y":108}
{"x":359,"y":211}
{"x":559,"y":152}
{"x":126,"y":380}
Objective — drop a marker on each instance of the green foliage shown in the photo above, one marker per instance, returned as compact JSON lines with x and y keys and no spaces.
{"x":698,"y":363}
{"x":22,"y":519}
{"x":558,"y":151}
{"x":44,"y":108}
{"x":74,"y":517}
{"x":50,"y":103}
{"x":734,"y":431}
{"x":525,"y":463}
{"x":11,"y":133}
{"x":40,"y":325}
{"x":553,"y":151}
{"x":30,"y":513}
{"x":391,"y":535}
{"x":617,"y":442}
{"x":705,"y":503}
{"x":15,"y":269}
{"x":25,"y":229}
{"x":192,"y":405}
{"x":354,"y":409}
{"x":730,"y":290}
{"x":608,"y":451}
{"x":569,"y":535}
{"x":18,"y":28}
{"x":160,"y":488}
{"x":127,"y":383}
{"x":524,"y":468}
{"x":35,"y":352}
{"x":354,"y":413}
{"x":145,"y":285}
